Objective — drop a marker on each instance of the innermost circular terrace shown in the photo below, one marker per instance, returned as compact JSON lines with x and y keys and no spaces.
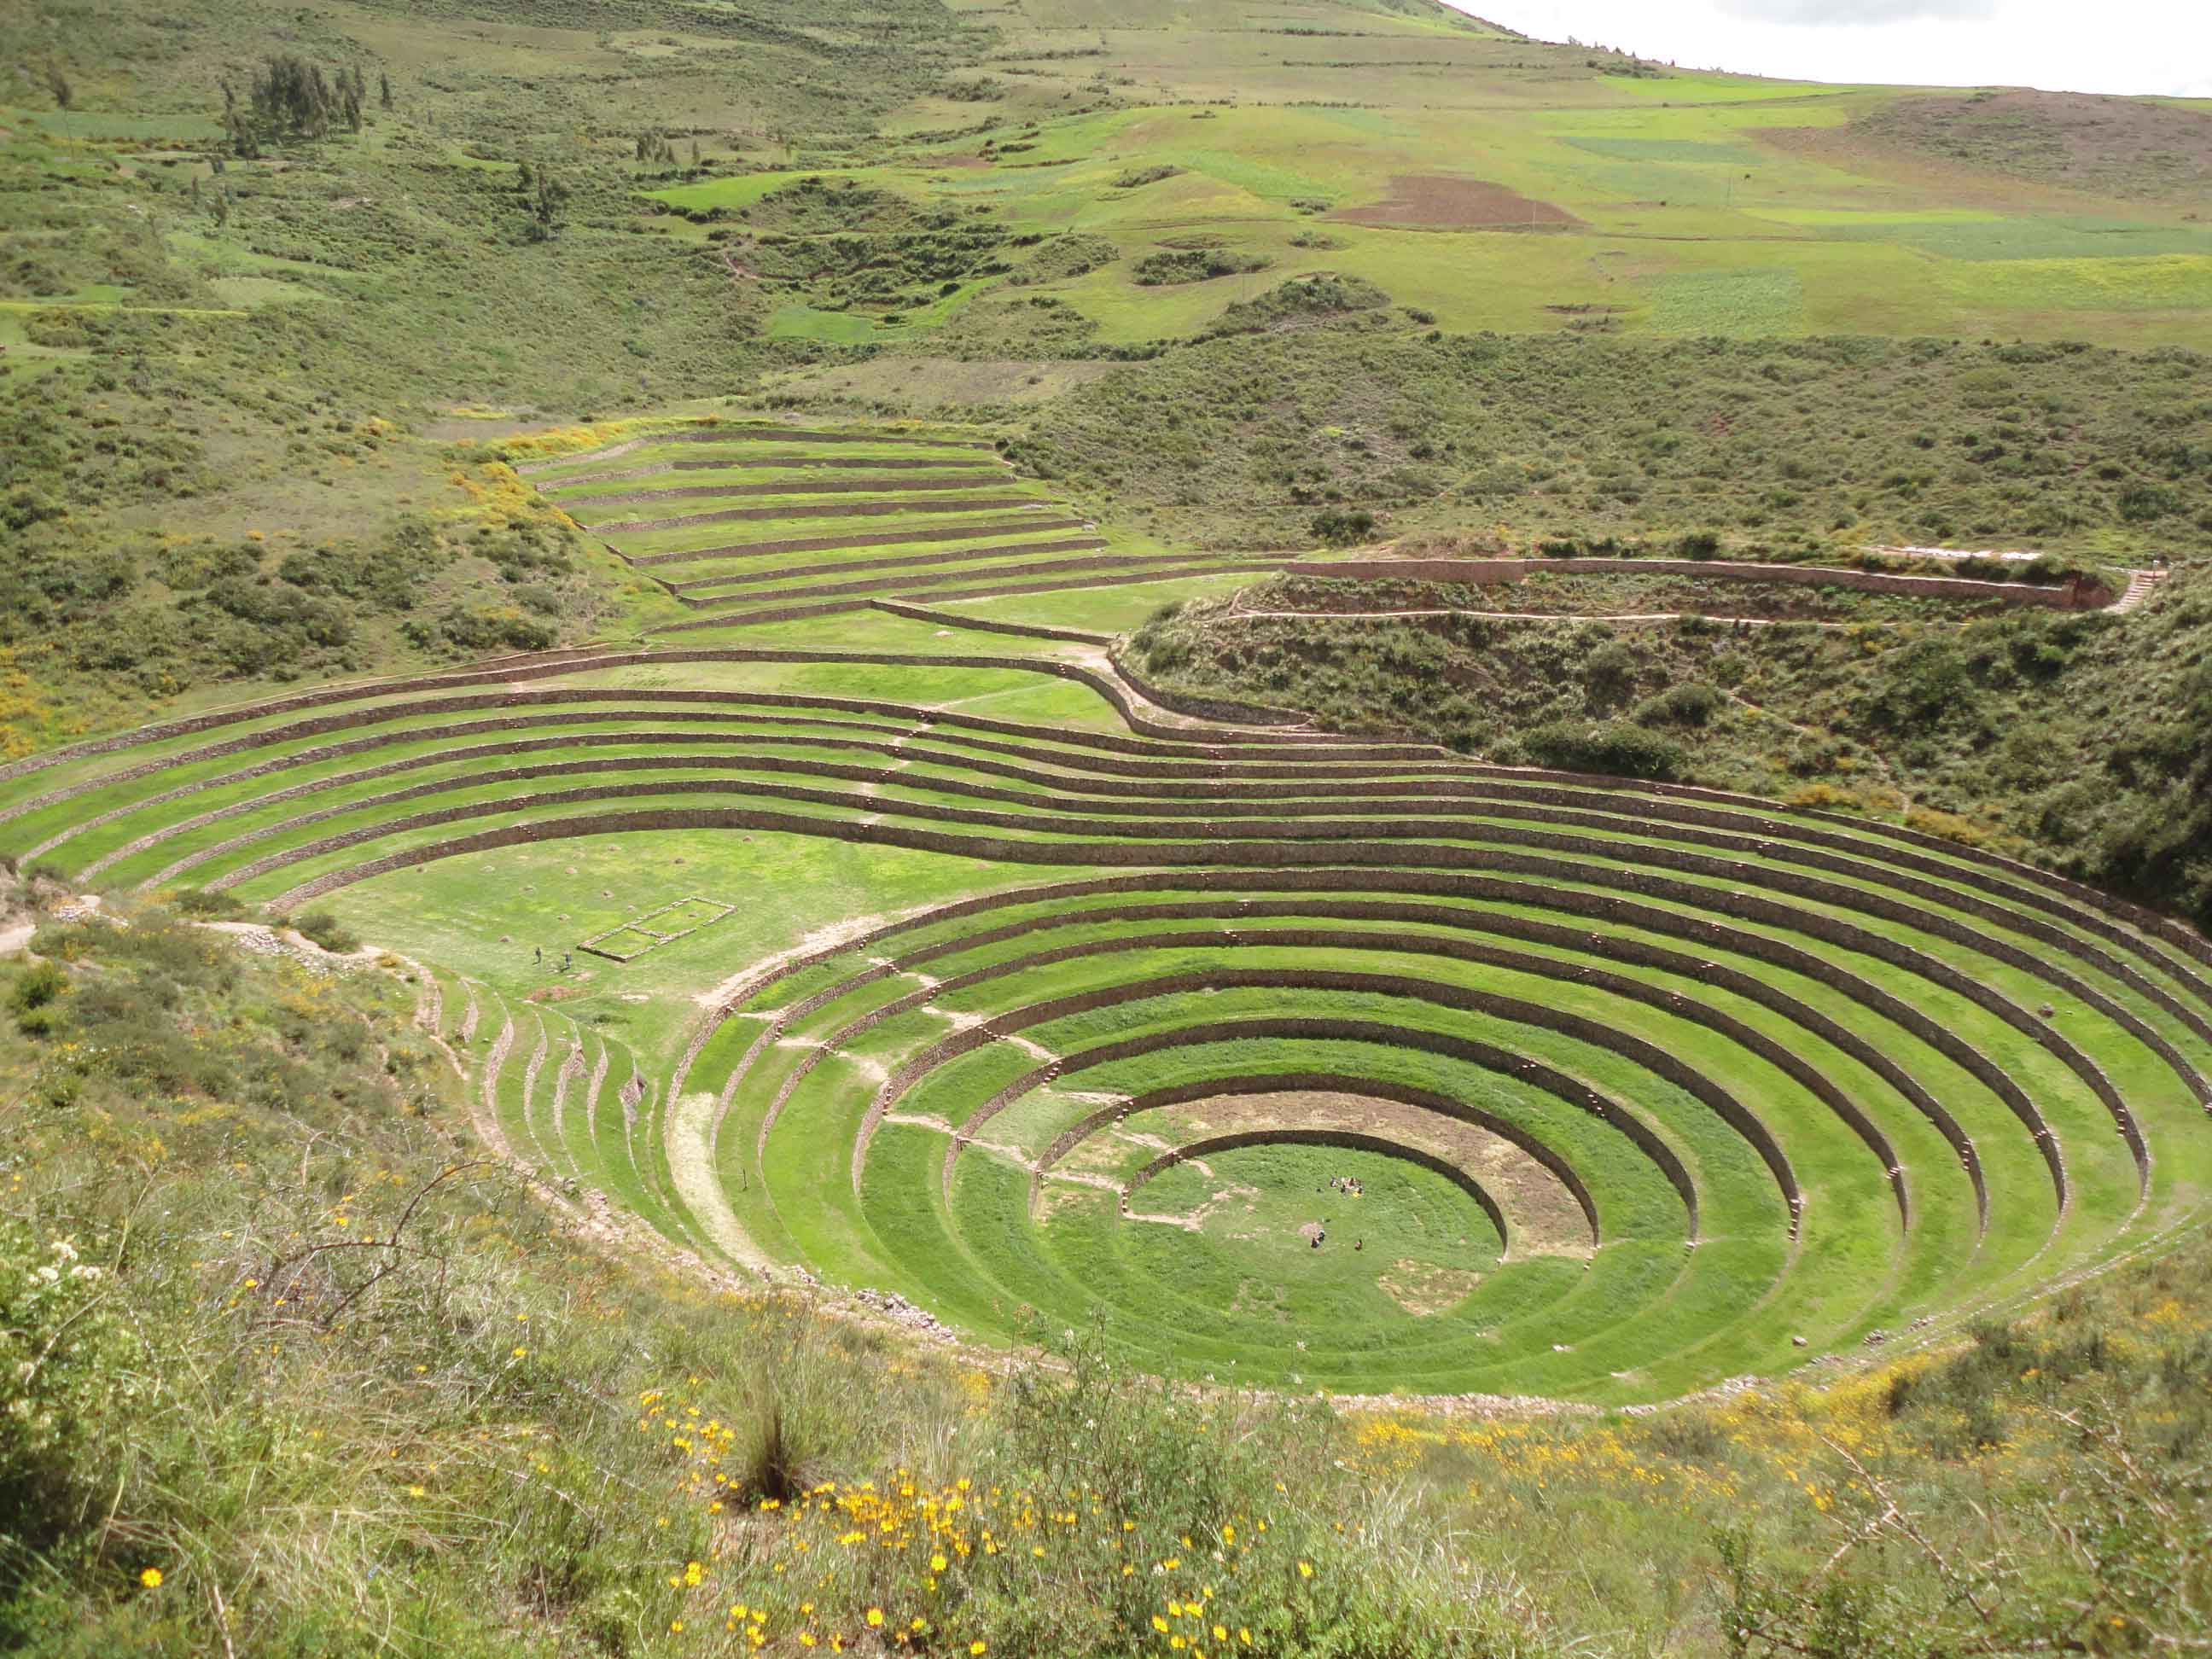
{"x":1532,"y":1209}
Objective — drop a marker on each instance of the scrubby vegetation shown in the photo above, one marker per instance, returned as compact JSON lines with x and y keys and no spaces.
{"x":2075,"y":740}
{"x":1777,"y":445}
{"x":1195,"y":265}
{"x":1062,"y":256}
{"x":1310,"y":300}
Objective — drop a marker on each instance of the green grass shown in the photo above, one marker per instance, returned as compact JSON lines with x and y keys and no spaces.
{"x":1740,"y":304}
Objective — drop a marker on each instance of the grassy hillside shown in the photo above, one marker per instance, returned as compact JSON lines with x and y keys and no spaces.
{"x":1774,"y":446}
{"x":540,"y":217}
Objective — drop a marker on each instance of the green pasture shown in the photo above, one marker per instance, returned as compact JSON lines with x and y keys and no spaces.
{"x":1680,"y":178}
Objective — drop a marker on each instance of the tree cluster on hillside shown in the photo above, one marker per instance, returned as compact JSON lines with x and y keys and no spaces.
{"x":289,"y":97}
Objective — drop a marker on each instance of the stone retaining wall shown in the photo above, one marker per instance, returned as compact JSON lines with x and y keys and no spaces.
{"x":1264,"y":855}
{"x":903,"y":562}
{"x":735,"y":433}
{"x":1569,"y":1091}
{"x":1496,"y":573}
{"x":1616,"y":947}
{"x":948,"y":532}
{"x":778,"y":486}
{"x":1404,"y":1095}
{"x":875,"y":507}
{"x":1840,"y":895}
{"x":1207,"y":708}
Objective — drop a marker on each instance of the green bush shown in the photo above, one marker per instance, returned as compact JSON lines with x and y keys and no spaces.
{"x":69,"y":1370}
{"x":1337,"y":526}
{"x":1611,"y":669}
{"x":1195,"y":265}
{"x":205,"y":902}
{"x":1917,"y":685}
{"x":1690,"y":704}
{"x":1613,"y":747}
{"x":326,"y":929}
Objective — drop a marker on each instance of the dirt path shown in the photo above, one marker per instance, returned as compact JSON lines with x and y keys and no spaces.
{"x":687,"y":1138}
{"x":483,"y":1105}
{"x":1558,"y":616}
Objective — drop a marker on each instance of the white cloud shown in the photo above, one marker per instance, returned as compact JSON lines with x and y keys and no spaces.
{"x":2142,"y":47}
{"x":1855,"y":11}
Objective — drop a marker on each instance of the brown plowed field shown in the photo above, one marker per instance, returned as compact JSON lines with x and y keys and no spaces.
{"x":1432,"y":201}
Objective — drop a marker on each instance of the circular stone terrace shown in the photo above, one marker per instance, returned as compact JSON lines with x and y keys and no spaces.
{"x":1293,"y":1060}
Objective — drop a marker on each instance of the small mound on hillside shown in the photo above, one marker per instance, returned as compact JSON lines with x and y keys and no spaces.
{"x":1066,"y":256}
{"x":1430,"y":201}
{"x":1195,"y":265}
{"x":1306,"y":300}
{"x":1136,"y":177}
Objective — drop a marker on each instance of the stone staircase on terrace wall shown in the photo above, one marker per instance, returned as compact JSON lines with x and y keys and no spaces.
{"x":2141,"y":586}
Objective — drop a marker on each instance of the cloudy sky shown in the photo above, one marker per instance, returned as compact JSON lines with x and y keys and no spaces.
{"x":2114,"y":45}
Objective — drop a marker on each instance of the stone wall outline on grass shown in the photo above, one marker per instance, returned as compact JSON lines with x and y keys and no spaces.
{"x":637,"y":926}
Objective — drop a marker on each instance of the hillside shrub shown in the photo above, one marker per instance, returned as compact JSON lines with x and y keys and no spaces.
{"x":1071,"y":255}
{"x":1612,"y":669}
{"x":487,"y":627}
{"x":205,"y":904}
{"x":1690,"y":704}
{"x":1615,"y":747}
{"x":1195,"y":265}
{"x":1336,"y":527}
{"x":34,"y":996}
{"x":1310,"y":299}
{"x":70,"y":1370}
{"x":1917,"y":685}
{"x":327,"y":931}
